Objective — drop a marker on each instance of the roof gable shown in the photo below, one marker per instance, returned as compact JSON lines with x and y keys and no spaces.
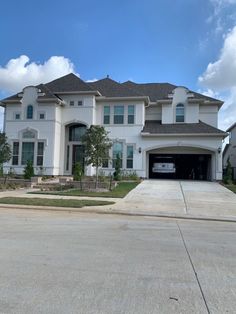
{"x":110,"y":88}
{"x":158,"y":91}
{"x":68,"y":83}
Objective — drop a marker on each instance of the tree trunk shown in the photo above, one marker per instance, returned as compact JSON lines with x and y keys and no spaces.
{"x":96,"y":183}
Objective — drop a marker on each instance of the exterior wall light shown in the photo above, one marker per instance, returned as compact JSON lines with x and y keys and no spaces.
{"x":140,"y":150}
{"x":219,"y":150}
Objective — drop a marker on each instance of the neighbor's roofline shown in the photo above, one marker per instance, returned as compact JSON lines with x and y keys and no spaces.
{"x":231,"y":127}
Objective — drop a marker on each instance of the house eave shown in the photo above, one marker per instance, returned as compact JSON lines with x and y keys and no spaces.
{"x":95,"y":92}
{"x":103,"y":98}
{"x":147,"y":134}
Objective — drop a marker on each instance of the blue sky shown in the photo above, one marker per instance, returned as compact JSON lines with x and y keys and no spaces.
{"x":145,"y":41}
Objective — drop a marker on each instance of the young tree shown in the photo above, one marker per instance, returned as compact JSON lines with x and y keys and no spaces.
{"x":117,"y":173}
{"x":5,"y":149}
{"x":96,"y":145}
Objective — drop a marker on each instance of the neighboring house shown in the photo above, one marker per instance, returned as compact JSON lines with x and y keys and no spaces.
{"x":149,"y":124}
{"x":230,"y":149}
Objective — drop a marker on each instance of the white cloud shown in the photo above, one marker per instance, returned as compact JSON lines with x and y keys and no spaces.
{"x":219,"y":79}
{"x":221,"y":74}
{"x":20,"y":72}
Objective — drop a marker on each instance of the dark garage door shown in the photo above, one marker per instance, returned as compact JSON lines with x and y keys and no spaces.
{"x":188,"y":166}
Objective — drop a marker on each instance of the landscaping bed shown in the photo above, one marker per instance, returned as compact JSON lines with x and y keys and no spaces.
{"x":52,"y":202}
{"x":231,"y":187}
{"x":120,"y":191}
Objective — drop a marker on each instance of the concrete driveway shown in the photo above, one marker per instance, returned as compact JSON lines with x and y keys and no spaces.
{"x":195,"y":198}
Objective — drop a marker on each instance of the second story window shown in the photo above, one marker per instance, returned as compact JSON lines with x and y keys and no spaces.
{"x":131,"y":114}
{"x":106,"y":115}
{"x":41,"y":116}
{"x":179,"y":113}
{"x":80,"y":102}
{"x":29,"y":112}
{"x":118,"y":114}
{"x":72,"y":103}
{"x":17,"y":116}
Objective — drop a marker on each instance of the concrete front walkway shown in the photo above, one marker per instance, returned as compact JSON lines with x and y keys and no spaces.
{"x":196,"y":198}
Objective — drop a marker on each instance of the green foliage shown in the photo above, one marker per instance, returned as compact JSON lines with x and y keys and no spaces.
{"x":78,"y":171}
{"x":5,"y":149}
{"x":117,"y":173}
{"x":228,"y":174}
{"x":29,"y":170}
{"x":96,"y":145}
{"x":1,"y":171}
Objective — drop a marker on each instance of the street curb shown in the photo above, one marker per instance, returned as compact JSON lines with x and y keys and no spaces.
{"x":95,"y":210}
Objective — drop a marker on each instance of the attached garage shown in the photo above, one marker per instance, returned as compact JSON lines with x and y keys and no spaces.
{"x":180,"y":166}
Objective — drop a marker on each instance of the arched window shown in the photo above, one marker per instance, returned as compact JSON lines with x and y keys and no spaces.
{"x":179,"y":113}
{"x":76,"y":132}
{"x":29,"y":113}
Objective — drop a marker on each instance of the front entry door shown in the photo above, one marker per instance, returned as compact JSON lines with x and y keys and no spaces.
{"x":78,"y":156}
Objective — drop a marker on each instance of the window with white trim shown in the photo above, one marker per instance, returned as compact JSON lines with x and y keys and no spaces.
{"x":80,"y":103}
{"x":131,"y":113}
{"x":72,"y":103}
{"x":17,"y":116}
{"x":129,"y":156}
{"x":119,"y":114}
{"x":106,"y":114}
{"x":27,"y":152}
{"x":40,"y":151}
{"x":117,"y":150}
{"x":15,"y":154}
{"x":179,"y":113}
{"x":29,"y":112}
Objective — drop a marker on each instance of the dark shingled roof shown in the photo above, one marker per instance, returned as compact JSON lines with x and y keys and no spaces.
{"x":155,"y":127}
{"x":107,"y":88}
{"x":110,"y":88}
{"x":68,"y":83}
{"x":157,"y":91}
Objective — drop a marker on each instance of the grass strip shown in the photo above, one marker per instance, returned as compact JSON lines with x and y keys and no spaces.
{"x":52,"y":202}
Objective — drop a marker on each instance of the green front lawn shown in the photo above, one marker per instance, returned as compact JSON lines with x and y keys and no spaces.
{"x":119,"y":191}
{"x":52,"y":202}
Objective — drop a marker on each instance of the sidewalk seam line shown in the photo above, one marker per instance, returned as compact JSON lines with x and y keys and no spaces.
{"x":185,"y":203}
{"x":195,"y":273}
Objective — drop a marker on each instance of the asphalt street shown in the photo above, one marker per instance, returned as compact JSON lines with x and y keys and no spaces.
{"x":55,"y":262}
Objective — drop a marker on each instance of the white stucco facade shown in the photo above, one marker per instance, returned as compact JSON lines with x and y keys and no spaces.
{"x":52,"y":124}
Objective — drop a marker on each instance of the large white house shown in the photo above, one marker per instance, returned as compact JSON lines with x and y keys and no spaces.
{"x":146,"y":122}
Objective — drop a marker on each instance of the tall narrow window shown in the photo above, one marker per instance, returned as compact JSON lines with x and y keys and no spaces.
{"x":30,"y":112}
{"x":67,"y":157}
{"x":40,"y":153}
{"x":130,"y":157}
{"x":117,"y":151}
{"x":131,"y":114}
{"x":106,"y":115}
{"x":179,"y":114}
{"x":27,"y":152}
{"x":15,"y":153}
{"x":118,"y":114}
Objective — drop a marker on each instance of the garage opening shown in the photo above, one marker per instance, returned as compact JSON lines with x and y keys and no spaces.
{"x":180,"y":166}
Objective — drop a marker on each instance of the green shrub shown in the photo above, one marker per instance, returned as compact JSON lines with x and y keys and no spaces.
{"x":29,"y":170}
{"x":228,"y":177}
{"x":78,"y":171}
